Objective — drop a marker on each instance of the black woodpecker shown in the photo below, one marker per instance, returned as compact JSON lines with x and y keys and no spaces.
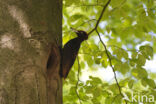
{"x":70,"y":51}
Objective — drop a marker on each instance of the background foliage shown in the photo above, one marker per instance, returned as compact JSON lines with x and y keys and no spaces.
{"x":128,"y":29}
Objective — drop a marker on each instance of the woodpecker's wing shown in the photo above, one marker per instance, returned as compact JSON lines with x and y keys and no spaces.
{"x":69,"y":54}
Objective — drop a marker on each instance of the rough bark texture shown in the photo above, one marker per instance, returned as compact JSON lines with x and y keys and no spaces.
{"x":30,"y":33}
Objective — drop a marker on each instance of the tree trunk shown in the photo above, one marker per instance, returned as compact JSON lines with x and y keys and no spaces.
{"x":30,"y":41}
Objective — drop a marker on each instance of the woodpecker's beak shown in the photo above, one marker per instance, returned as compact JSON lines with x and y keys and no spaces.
{"x":74,"y":30}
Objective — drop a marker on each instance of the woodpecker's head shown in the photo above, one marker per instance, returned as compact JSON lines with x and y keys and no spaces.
{"x":81,"y":34}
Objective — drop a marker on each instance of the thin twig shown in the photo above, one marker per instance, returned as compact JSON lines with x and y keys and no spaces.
{"x":110,"y":62}
{"x":78,"y":80}
{"x":99,"y":19}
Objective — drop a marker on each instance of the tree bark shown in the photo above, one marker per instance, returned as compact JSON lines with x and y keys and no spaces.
{"x":30,"y":37}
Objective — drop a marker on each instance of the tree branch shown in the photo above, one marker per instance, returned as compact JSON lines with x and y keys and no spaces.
{"x":99,"y":19}
{"x":110,"y":62}
{"x":78,"y":80}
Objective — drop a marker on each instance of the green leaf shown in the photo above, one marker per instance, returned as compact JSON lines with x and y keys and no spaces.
{"x":102,"y":2}
{"x":134,"y":55}
{"x":133,"y":62}
{"x":124,"y":82}
{"x":95,"y":101}
{"x":89,"y":89}
{"x":150,"y":82}
{"x":70,"y":2}
{"x":113,"y":88}
{"x":104,"y":63}
{"x":147,"y":51}
{"x":115,"y":3}
{"x":95,"y":80}
{"x":72,"y":77}
{"x":141,"y":60}
{"x":72,"y":90}
{"x":130,"y":83}
{"x":89,"y":60}
{"x":122,"y":67}
{"x":117,"y":100}
{"x":108,"y":100}
{"x":125,"y":68}
{"x":82,"y":94}
{"x":139,"y":73}
{"x":117,"y":66}
{"x":120,"y":53}
{"x":144,"y":82}
{"x":81,"y":84}
{"x":82,"y":64}
{"x":94,"y":47}
{"x":97,"y":60}
{"x":95,"y":94}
